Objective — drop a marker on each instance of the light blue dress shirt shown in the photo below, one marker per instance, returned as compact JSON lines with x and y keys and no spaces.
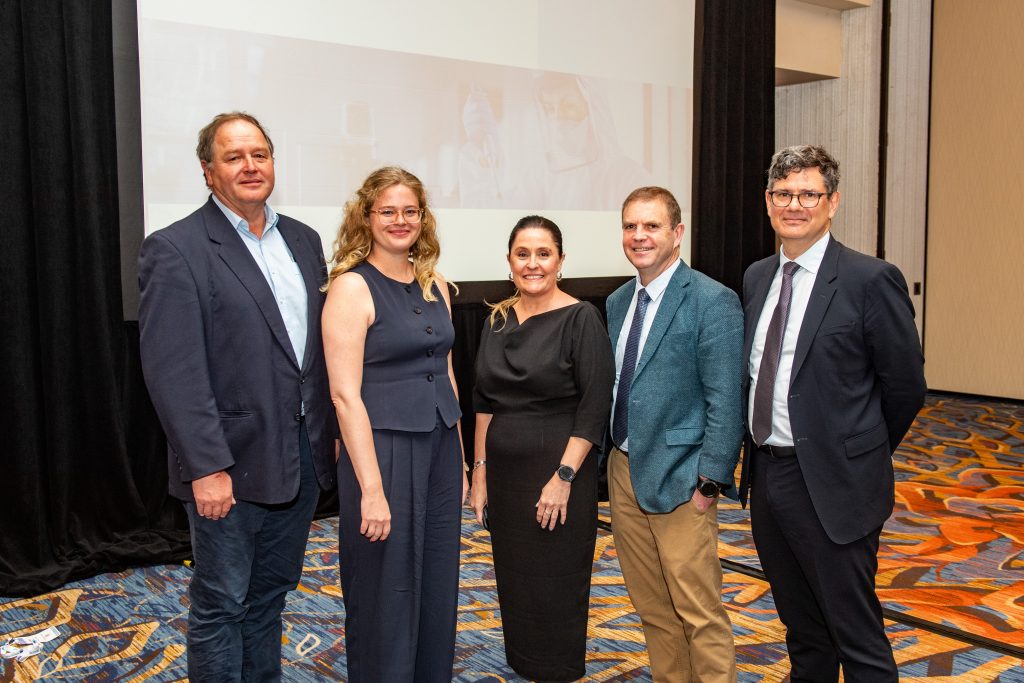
{"x":655,"y":289}
{"x":278,"y":266}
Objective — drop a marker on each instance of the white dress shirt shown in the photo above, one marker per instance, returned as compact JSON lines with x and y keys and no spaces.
{"x":655,"y":289}
{"x":803,"y":282}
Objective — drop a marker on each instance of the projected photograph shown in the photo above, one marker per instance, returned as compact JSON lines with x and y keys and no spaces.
{"x":482,"y":136}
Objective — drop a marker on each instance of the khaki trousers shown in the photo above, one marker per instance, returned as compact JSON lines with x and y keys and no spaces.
{"x":670,"y":565}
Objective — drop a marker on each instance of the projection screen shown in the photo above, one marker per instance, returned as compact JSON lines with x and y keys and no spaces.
{"x":502,"y":108}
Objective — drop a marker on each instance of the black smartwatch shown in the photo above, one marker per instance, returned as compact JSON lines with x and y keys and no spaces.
{"x":709,"y":488}
{"x":566,"y":473}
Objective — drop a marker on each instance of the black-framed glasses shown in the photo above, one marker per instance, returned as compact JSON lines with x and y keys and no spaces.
{"x":807,"y":200}
{"x":389,"y":216}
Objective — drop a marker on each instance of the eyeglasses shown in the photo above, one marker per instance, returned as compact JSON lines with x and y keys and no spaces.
{"x":807,"y":200}
{"x":389,"y":216}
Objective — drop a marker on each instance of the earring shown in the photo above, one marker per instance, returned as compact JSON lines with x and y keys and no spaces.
{"x":510,"y":277}
{"x":558,"y":277}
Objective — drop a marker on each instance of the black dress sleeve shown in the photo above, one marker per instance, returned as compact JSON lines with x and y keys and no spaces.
{"x":480,"y":402}
{"x":594,"y":374}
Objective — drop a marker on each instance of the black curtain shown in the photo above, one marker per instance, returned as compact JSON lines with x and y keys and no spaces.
{"x":468,"y":319}
{"x":734,"y":134}
{"x":74,"y":500}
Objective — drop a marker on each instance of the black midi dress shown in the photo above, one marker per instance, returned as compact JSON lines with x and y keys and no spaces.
{"x":543,"y":381}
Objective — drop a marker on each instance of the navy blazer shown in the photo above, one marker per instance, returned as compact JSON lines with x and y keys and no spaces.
{"x":856,"y":385}
{"x":218,"y":362}
{"x":685,"y":401}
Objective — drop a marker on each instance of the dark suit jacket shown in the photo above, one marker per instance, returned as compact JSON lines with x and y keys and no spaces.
{"x":218,"y":362}
{"x":685,"y":402}
{"x":856,"y":385}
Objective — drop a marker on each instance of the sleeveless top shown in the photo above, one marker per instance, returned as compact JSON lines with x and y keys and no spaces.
{"x":405,"y":361}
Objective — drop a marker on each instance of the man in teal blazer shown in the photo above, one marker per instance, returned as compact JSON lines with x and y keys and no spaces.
{"x":677,"y":426}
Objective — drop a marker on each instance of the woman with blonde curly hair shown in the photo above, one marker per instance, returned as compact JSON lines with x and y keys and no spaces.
{"x":387,"y":339}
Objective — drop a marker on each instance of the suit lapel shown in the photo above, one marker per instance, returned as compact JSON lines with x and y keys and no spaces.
{"x":821,"y":296}
{"x":310,"y":266}
{"x":617,"y":312}
{"x":237,"y":257}
{"x":753,"y":308}
{"x":671,"y":300}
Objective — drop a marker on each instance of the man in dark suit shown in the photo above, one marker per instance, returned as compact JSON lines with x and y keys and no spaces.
{"x":677,"y":427}
{"x":232,"y":356}
{"x":835,"y":380}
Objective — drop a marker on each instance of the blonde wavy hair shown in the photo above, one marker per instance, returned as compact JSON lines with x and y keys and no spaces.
{"x":499,"y":311}
{"x":354,"y":241}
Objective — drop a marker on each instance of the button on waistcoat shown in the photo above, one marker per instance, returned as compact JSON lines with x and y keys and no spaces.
{"x":405,"y":362}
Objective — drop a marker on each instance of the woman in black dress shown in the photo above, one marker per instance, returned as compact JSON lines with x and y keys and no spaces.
{"x":543,"y":394}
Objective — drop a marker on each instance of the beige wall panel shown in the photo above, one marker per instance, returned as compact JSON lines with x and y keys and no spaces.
{"x":808,"y":39}
{"x":906,"y":184}
{"x":842,"y":115}
{"x":973,"y":323}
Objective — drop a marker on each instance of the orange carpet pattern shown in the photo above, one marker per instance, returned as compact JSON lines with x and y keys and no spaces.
{"x":953,"y":551}
{"x":951,"y":555}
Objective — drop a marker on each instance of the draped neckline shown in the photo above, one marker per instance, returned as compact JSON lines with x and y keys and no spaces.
{"x":519,"y":323}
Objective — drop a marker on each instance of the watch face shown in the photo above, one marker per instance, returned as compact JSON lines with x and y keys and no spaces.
{"x":709,"y":489}
{"x":566,"y":473}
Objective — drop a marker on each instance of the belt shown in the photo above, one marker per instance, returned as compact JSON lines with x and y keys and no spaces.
{"x":778,"y":451}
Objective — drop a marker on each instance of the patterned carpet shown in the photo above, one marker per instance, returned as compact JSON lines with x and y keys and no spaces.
{"x":952,"y":554}
{"x":953,"y":551}
{"x":130,"y":627}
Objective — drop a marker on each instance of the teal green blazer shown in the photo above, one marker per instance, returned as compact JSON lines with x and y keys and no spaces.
{"x":685,"y":408}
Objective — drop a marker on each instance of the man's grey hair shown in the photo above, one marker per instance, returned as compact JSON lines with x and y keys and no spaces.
{"x":204,"y":150}
{"x":800,"y":157}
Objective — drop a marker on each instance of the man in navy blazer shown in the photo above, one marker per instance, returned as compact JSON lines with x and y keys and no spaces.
{"x":835,"y":379}
{"x":677,"y":427}
{"x":232,"y":356}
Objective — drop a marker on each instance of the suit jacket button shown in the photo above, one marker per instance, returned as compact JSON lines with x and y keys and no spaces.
{"x":430,"y":352}
{"x":298,"y":417}
{"x":430,"y":330}
{"x":430,"y":378}
{"x":417,"y":310}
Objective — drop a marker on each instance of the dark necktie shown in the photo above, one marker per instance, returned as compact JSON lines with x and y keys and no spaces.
{"x":762,"y":420}
{"x":620,"y":421}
